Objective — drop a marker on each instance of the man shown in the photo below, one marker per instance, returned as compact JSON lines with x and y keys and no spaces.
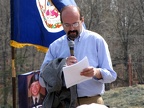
{"x":36,"y":99}
{"x":87,"y":43}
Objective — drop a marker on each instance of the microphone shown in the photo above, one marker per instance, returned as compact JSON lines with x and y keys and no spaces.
{"x":71,"y":47}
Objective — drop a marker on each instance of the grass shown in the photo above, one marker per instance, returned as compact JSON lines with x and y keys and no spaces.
{"x":125,"y":97}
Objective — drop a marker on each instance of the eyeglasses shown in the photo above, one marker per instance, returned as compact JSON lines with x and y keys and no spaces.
{"x":76,"y":24}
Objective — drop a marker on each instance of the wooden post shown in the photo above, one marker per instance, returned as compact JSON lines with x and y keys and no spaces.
{"x":130,"y":70}
{"x":13,"y":78}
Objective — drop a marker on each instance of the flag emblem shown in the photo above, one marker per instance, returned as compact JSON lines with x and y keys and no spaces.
{"x":49,"y":15}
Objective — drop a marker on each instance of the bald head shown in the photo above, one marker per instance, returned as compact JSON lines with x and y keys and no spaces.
{"x":69,"y":12}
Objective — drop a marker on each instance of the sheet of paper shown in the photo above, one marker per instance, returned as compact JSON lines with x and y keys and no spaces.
{"x":72,"y":73}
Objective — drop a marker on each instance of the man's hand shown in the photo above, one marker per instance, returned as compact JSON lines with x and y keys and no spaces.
{"x":91,"y":72}
{"x":71,"y":60}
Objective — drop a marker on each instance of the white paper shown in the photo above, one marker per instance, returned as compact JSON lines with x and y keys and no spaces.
{"x":72,"y":73}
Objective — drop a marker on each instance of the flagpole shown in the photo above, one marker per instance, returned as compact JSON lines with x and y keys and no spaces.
{"x":13,"y":77}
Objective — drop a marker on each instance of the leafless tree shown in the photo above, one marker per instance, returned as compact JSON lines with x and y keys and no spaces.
{"x":5,"y":50}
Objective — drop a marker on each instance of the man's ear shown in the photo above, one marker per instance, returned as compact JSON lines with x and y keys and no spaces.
{"x":82,"y":19}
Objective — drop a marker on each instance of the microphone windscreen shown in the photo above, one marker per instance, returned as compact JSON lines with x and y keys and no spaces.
{"x":71,"y":47}
{"x":71,"y":44}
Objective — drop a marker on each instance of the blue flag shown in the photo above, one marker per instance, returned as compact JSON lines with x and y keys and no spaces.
{"x":36,"y":22}
{"x":59,"y":4}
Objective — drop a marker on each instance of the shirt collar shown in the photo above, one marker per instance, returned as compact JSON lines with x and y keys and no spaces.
{"x":81,"y":34}
{"x":38,"y":96}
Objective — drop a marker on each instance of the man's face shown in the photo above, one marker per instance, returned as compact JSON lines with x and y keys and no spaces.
{"x":71,"y":23}
{"x":35,"y":88}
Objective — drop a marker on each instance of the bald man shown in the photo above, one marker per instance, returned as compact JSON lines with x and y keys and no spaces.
{"x":86,"y":43}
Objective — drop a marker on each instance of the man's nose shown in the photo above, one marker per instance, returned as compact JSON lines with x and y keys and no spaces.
{"x":71,"y":27}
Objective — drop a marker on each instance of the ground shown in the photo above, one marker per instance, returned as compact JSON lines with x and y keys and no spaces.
{"x":125,"y":97}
